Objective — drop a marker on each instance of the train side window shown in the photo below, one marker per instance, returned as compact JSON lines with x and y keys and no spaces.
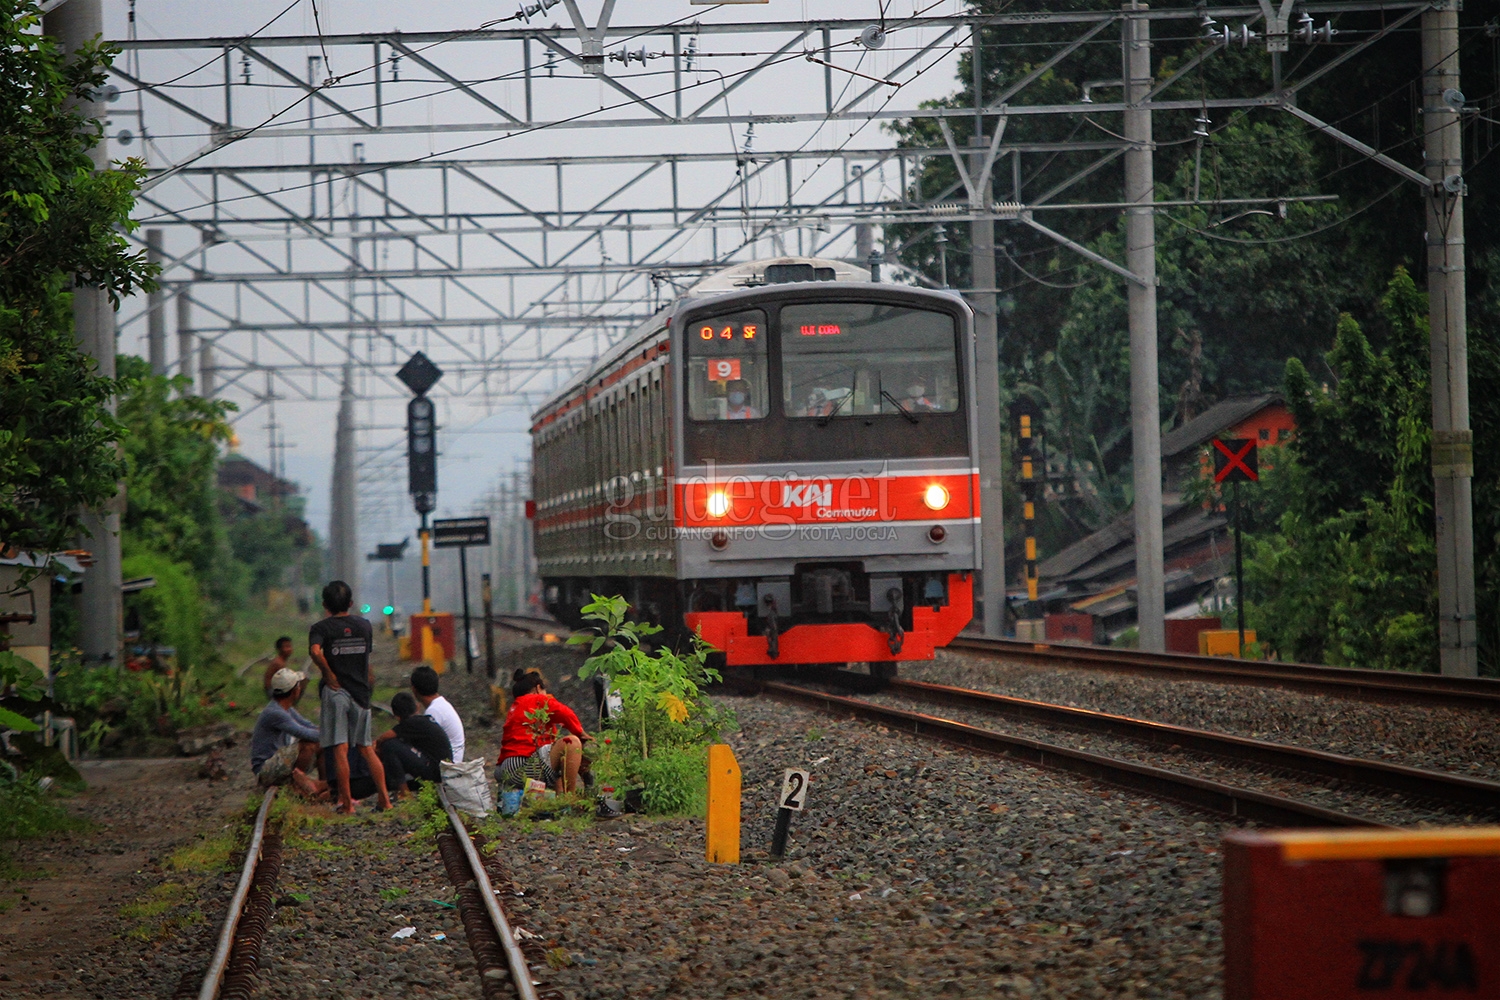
{"x":726,"y":367}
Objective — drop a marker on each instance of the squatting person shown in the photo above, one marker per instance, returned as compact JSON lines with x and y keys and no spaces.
{"x":531,"y":748}
{"x":340,"y":646}
{"x":424,"y":684}
{"x":284,"y":745}
{"x":413,"y":748}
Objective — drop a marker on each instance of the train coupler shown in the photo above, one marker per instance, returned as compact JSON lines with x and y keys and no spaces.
{"x":895,"y":635}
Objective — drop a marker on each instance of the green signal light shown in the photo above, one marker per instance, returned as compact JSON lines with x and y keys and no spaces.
{"x":364,"y":609}
{"x":388,"y":609}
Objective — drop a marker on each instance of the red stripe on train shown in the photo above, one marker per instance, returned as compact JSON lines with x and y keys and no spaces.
{"x":736,"y":501}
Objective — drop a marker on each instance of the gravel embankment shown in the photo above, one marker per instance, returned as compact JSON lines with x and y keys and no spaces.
{"x":1448,"y":739}
{"x":917,"y":871}
{"x":1374,"y":804}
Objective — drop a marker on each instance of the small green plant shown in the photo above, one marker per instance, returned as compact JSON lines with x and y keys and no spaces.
{"x":28,"y":807}
{"x":434,"y":818}
{"x":539,"y":725}
{"x":393,"y":893}
{"x":657,"y":741}
{"x":23,"y":680}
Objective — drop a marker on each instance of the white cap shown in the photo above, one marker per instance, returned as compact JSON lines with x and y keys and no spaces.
{"x":285,"y":680}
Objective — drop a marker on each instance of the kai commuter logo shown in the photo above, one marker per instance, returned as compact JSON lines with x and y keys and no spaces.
{"x":807,"y":495}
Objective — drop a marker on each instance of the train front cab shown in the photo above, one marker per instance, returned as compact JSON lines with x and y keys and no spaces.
{"x":826,"y":500}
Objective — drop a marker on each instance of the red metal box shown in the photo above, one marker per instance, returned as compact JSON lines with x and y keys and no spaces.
{"x":1330,"y":914}
{"x":1072,"y":628}
{"x":1182,"y":633}
{"x":441,"y":623}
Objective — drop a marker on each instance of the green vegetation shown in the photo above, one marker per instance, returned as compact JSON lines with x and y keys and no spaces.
{"x":659,"y":740}
{"x":1343,"y":559}
{"x":1340,"y":555}
{"x":58,"y":217}
{"x":208,"y":853}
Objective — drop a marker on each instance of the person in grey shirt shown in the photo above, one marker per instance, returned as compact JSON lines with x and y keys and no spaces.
{"x":284,"y":744}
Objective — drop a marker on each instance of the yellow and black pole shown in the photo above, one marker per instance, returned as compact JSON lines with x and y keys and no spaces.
{"x":1029,"y":459}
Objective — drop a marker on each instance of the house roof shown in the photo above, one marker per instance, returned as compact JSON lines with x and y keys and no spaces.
{"x":1217,"y":418}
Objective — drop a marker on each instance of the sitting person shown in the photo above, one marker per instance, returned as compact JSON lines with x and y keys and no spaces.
{"x":412,"y":748}
{"x":284,"y":745}
{"x":738,"y":398}
{"x":917,"y":399}
{"x":424,"y":684}
{"x":532,"y":749}
{"x":361,"y":784}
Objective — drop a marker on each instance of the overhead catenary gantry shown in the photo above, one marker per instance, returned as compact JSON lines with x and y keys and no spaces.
{"x":512,"y":198}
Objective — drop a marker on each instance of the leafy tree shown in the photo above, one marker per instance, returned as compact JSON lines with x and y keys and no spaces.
{"x":270,"y":542}
{"x":171,"y":456}
{"x":1343,"y":574}
{"x":59,"y":217}
{"x":1240,"y":290}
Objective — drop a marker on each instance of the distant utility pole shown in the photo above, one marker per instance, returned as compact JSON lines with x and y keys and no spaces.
{"x":1452,"y":440}
{"x":185,"y":346}
{"x":987,"y":368}
{"x":343,"y":533}
{"x":1140,"y":260}
{"x":73,"y":25}
{"x":156,"y":315}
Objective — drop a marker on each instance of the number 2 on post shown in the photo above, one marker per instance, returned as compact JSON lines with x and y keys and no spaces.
{"x":793,"y":789}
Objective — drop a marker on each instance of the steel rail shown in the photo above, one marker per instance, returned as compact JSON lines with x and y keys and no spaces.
{"x":1214,"y":796}
{"x":520,"y":972}
{"x":1414,"y":782}
{"x":1348,"y":682}
{"x":533,"y":626}
{"x":214,"y":977}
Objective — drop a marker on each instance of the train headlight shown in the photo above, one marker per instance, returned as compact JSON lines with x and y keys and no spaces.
{"x":718,"y":503}
{"x":935,"y":497}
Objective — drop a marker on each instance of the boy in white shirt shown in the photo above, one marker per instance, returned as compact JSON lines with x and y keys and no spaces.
{"x":424,"y":685}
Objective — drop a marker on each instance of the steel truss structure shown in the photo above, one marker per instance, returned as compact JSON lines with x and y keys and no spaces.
{"x":512,"y":199}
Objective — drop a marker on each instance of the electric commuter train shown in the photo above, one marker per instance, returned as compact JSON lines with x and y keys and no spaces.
{"x":783,"y":459}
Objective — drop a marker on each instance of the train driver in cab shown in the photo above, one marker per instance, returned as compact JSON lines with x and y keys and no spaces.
{"x":917,"y":400}
{"x":738,"y":398}
{"x":825,"y":402}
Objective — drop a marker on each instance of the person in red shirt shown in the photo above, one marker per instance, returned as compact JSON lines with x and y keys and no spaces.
{"x":553,"y":760}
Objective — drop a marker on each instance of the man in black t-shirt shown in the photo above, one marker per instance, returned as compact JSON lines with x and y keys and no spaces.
{"x":340,"y":646}
{"x":414,"y":747}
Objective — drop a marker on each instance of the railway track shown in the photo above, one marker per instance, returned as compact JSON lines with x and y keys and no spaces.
{"x":1346,"y":682}
{"x":1448,"y":791}
{"x":231,"y":973}
{"x":534,"y":627}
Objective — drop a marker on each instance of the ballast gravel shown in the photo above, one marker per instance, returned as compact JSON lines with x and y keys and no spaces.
{"x":347,"y":888}
{"x":917,"y":870}
{"x":1355,"y":800}
{"x":1447,"y":739}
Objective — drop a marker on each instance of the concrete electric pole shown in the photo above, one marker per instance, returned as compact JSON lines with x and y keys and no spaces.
{"x":343,"y":533}
{"x":156,"y":316}
{"x":73,"y":25}
{"x":987,"y":370}
{"x":1145,"y":407}
{"x":1452,"y":440}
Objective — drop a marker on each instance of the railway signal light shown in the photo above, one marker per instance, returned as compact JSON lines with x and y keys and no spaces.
{"x":421,"y":454}
{"x":388,"y":610}
{"x":364,"y":609}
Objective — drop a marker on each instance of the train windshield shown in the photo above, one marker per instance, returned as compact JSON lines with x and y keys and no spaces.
{"x":727,"y":367}
{"x":857,"y":359}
